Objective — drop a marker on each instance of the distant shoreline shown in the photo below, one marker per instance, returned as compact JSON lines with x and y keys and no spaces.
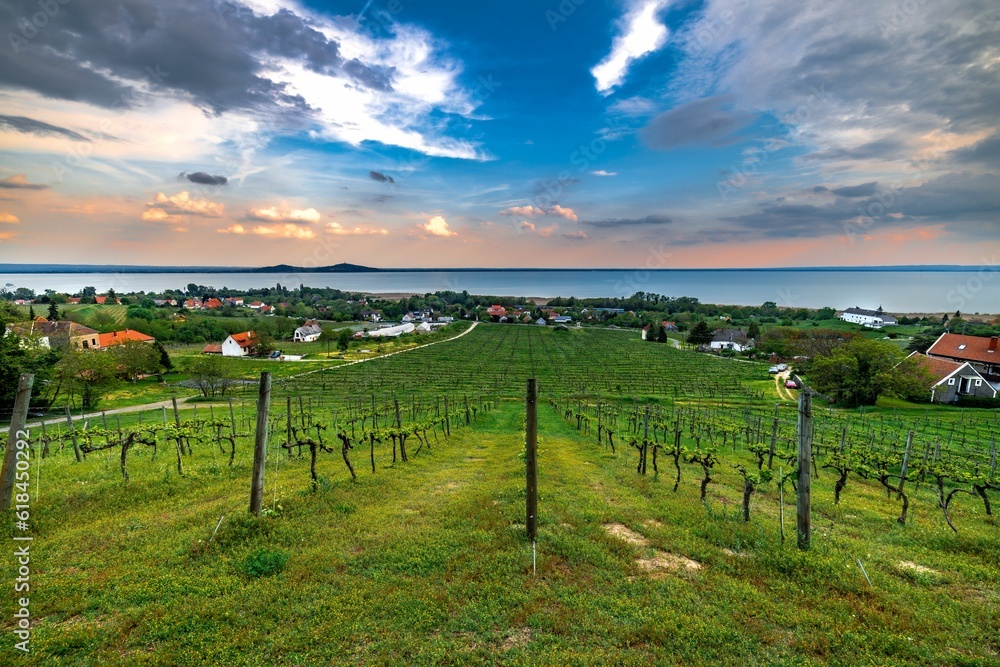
{"x":120,"y":268}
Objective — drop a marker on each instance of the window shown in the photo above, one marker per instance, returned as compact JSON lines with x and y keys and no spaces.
{"x":951,"y":381}
{"x":86,"y":345}
{"x":979,"y":383}
{"x":962,"y":346}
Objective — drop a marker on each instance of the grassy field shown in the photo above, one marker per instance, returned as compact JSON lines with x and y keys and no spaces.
{"x":426,"y":562}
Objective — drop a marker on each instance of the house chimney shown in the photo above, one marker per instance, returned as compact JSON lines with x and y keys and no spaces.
{"x":993,"y":343}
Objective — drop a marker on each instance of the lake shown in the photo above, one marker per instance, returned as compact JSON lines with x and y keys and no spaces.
{"x":971,"y":290}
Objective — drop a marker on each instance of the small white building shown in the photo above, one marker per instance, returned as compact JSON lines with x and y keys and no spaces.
{"x":731,"y":339}
{"x":308,"y":332}
{"x":392,"y":332}
{"x":873,"y":319}
{"x":239,"y":344}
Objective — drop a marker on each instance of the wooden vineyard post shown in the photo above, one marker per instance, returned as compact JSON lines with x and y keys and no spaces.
{"x":72,"y":433}
{"x":260,"y":444}
{"x":805,"y":459}
{"x":906,"y":460}
{"x":288,"y":424}
{"x":531,"y":464}
{"x":14,"y":439}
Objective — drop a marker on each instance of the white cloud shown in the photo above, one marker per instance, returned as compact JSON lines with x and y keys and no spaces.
{"x":171,"y":209}
{"x":274,"y":214}
{"x":640,"y":33}
{"x":437,"y":226}
{"x":601,"y":172}
{"x":528,"y":211}
{"x":337,"y":228}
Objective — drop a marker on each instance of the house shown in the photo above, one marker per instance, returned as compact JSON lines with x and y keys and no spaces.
{"x":212,"y":348}
{"x":409,"y":317}
{"x":107,"y":340}
{"x":445,"y":319}
{"x":308,"y":332}
{"x":372,"y":315}
{"x":669,"y":326}
{"x":981,"y":352}
{"x":101,"y":300}
{"x":874,"y":319}
{"x":73,"y":299}
{"x":562,"y":319}
{"x":256,"y":305}
{"x":235,"y":301}
{"x":267,"y":310}
{"x":496,"y":311}
{"x":192,"y":303}
{"x":57,"y":334}
{"x":731,"y":339}
{"x":211,"y":304}
{"x":953,"y":380}
{"x":239,"y":344}
{"x":541,"y":322}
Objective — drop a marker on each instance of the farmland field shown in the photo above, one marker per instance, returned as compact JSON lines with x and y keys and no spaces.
{"x":423,"y":559}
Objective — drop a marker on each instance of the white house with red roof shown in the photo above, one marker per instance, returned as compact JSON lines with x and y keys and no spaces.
{"x":239,"y":344}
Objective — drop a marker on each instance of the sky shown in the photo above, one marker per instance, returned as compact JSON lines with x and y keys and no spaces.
{"x":535,"y":133}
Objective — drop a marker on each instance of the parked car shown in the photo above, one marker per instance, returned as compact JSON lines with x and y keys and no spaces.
{"x":773,"y":369}
{"x":792,"y":384}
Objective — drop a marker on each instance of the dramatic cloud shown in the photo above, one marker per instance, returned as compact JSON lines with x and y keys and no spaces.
{"x":986,"y":151}
{"x":20,"y":182}
{"x":171,"y":209}
{"x":317,"y":73}
{"x":202,"y":178}
{"x":336,"y":228}
{"x":273,"y":214}
{"x":704,"y":121}
{"x":863,"y":190}
{"x":32,"y":126}
{"x":437,"y":226}
{"x":523,"y":211}
{"x":640,"y":33}
{"x":563,"y":212}
{"x":9,"y":218}
{"x":380,"y":177}
{"x":611,"y":223}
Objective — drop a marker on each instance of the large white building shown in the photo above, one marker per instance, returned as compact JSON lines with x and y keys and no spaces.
{"x":392,"y":332}
{"x":874,"y":319}
{"x":308,"y":332}
{"x":239,"y":344}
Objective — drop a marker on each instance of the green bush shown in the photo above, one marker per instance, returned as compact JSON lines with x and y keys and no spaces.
{"x":264,"y":563}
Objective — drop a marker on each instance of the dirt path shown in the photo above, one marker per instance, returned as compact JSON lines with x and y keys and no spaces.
{"x":779,"y":385}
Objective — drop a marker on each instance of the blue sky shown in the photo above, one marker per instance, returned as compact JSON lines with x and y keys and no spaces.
{"x":634,"y":133}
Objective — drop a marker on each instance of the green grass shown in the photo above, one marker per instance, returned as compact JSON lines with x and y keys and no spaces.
{"x":427,"y":563}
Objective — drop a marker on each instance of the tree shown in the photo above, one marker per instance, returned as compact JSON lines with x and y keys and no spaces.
{"x":753,"y":331}
{"x":86,"y":375}
{"x":263,"y":344}
{"x":134,"y":358}
{"x":862,"y":370}
{"x":700,"y":334}
{"x":165,"y":361}
{"x":211,"y":374}
{"x":344,"y":339}
{"x":53,"y":312}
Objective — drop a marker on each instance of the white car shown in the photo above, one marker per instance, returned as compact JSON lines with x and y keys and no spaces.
{"x":782,"y":368}
{"x":773,"y":369}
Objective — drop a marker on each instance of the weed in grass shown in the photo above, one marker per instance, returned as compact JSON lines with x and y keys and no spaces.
{"x":264,"y":563}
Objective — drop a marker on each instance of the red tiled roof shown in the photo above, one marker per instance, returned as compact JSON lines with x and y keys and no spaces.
{"x":977,"y":348}
{"x":212,"y":348}
{"x":939,"y":368}
{"x":100,"y":299}
{"x":245,"y":339}
{"x":211,"y":303}
{"x":119,"y":337}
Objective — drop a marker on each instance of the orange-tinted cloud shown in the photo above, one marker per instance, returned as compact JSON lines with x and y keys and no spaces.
{"x":523,"y":211}
{"x":437,"y":226}
{"x":563,"y":212}
{"x":171,"y":209}
{"x":9,"y":218}
{"x":20,"y":182}
{"x":274,"y":214}
{"x":337,"y":228}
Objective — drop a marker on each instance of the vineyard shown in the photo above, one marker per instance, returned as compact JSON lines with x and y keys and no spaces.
{"x":394,"y":490}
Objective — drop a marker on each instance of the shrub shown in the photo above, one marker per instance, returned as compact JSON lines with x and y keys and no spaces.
{"x":264,"y":563}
